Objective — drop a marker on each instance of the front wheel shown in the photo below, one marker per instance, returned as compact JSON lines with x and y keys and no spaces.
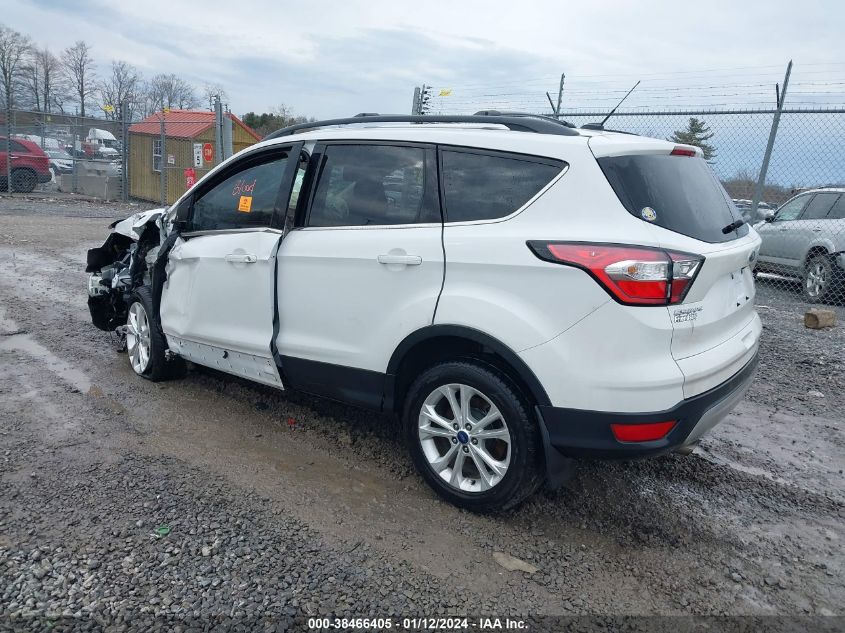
{"x":472,"y":437}
{"x":819,"y":282}
{"x":145,"y":342}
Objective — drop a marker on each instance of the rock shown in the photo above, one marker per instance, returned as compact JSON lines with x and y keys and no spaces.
{"x":817,"y":318}
{"x":206,"y":550}
{"x":815,"y":394}
{"x":512,"y":563}
{"x":736,"y":577}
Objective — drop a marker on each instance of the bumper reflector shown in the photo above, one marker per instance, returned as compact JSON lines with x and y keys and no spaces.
{"x":641,"y":432}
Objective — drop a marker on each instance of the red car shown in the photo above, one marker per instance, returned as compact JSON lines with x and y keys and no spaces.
{"x":30,"y":165}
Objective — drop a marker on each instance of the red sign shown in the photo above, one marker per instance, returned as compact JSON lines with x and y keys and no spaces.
{"x":190,"y":177}
{"x":207,"y":153}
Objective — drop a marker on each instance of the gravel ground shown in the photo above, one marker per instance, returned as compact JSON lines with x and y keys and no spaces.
{"x":281,"y":506}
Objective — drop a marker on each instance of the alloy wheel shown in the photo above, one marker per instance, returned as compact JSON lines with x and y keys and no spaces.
{"x":138,"y":338}
{"x":464,"y":438}
{"x":817,"y":279}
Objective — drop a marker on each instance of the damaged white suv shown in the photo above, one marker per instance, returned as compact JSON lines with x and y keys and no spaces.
{"x":517,"y":291}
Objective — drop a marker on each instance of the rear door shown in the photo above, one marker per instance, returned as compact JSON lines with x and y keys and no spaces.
{"x":362,"y":269}
{"x":218,"y":303}
{"x":715,"y":327}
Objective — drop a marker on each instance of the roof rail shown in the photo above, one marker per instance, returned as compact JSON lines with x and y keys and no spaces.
{"x":519,"y":122}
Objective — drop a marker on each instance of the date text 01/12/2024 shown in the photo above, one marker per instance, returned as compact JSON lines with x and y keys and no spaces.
{"x":418,"y":623}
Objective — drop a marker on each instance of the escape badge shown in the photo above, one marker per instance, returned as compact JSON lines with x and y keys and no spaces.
{"x":648,"y":214}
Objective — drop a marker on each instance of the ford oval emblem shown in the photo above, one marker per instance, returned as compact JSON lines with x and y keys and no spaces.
{"x":648,"y":214}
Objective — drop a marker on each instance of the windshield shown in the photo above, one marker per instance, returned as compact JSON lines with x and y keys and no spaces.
{"x":678,"y":193}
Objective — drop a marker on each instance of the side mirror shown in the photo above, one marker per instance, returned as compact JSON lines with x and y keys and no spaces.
{"x":769,"y":218}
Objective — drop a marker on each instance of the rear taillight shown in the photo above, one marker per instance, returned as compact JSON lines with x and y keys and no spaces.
{"x":633,"y":275}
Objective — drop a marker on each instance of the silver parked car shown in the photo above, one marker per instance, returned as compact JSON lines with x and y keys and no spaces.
{"x":806,"y":239}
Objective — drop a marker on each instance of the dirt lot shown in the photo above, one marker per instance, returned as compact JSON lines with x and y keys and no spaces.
{"x":281,"y":505}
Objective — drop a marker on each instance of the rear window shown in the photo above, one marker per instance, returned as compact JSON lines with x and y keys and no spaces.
{"x":478,"y":186}
{"x":678,"y":193}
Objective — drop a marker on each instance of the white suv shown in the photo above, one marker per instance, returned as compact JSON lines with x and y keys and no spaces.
{"x":517,"y":291}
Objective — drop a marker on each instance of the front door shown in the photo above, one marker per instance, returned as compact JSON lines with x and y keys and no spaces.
{"x":218,"y":303}
{"x":778,"y":234}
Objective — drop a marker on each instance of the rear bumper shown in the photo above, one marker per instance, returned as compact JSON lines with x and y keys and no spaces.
{"x":579,"y":433}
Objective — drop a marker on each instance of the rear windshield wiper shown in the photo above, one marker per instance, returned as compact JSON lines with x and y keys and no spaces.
{"x":733,"y":226}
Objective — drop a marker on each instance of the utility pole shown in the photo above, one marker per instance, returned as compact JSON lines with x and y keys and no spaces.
{"x":764,"y":168}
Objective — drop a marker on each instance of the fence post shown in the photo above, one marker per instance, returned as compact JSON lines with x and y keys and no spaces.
{"x":163,"y":164}
{"x":8,"y":167}
{"x":124,"y":151}
{"x":77,"y":148}
{"x":764,"y":168}
{"x":218,"y":130}
{"x":415,"y":106}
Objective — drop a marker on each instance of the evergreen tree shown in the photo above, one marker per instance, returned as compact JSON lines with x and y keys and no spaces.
{"x":696,"y":133}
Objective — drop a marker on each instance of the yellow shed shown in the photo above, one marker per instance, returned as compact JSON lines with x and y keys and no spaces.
{"x":188,"y":143}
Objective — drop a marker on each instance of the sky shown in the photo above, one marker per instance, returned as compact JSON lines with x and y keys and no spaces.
{"x":330,"y":59}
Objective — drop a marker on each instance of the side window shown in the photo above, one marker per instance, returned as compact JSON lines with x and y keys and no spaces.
{"x":480,"y":186}
{"x":819,"y":206}
{"x":19,"y":147}
{"x":838,"y":210}
{"x":363,"y":185}
{"x":244,"y":199}
{"x":791,"y":209}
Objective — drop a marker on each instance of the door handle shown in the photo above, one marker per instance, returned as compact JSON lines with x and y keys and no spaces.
{"x":241,"y":258}
{"x":408,"y":260}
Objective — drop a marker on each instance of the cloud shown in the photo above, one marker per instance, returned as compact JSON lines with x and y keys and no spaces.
{"x":335,"y":59}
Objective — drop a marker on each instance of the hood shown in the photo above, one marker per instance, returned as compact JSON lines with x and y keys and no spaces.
{"x":134,"y":224}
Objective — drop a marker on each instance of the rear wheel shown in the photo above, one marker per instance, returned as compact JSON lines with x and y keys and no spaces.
{"x":472,"y":437}
{"x":24,"y":180}
{"x":819,"y":282}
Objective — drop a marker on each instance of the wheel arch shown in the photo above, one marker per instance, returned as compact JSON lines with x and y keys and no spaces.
{"x":817,"y":249}
{"x":435,"y":343}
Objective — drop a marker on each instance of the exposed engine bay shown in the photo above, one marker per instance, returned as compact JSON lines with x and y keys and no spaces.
{"x":123,"y":263}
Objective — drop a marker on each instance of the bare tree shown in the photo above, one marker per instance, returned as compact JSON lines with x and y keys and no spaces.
{"x":170,"y":91}
{"x":211,"y":90}
{"x":14,"y":48}
{"x":78,"y":68}
{"x":42,"y":80}
{"x":120,"y":87}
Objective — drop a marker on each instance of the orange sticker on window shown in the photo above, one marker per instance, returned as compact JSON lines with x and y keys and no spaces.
{"x":245,"y":204}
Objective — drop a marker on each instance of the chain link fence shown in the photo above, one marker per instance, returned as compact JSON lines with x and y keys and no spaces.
{"x":155,"y":159}
{"x":801,"y":211}
{"x":800,"y":216}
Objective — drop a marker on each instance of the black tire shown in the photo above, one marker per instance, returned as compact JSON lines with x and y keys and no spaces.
{"x":24,"y":180}
{"x":525,"y":472}
{"x":158,"y":368}
{"x":820,"y":283}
